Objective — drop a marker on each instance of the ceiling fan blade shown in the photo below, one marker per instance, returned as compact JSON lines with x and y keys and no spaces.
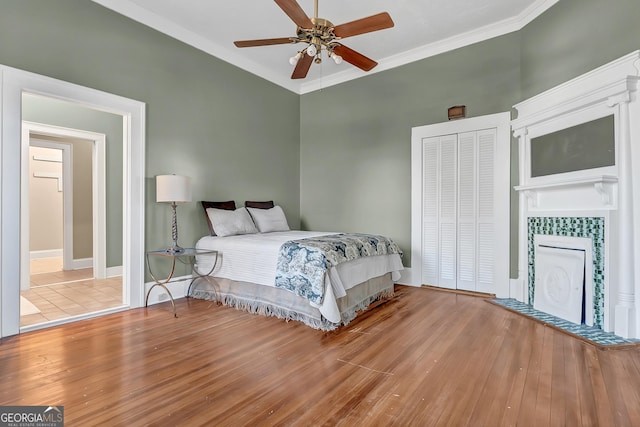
{"x":302,"y":67}
{"x":354,"y":58}
{"x":263,"y":42}
{"x":364,"y":25}
{"x":295,"y":12}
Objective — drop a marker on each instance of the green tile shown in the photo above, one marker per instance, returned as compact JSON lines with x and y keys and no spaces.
{"x":592,"y":227}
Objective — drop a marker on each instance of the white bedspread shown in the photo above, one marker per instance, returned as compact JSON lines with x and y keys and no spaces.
{"x":253,"y":258}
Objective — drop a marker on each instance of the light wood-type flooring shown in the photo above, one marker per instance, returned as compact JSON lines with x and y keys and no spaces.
{"x":425,"y":358}
{"x":61,"y":294}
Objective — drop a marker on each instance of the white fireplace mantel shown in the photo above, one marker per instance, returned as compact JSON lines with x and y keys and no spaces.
{"x":592,"y":88}
{"x":612,"y":192}
{"x":582,"y":193}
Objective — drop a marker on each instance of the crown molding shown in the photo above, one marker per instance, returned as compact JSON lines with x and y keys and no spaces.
{"x":603,"y":84}
{"x":163,"y":25}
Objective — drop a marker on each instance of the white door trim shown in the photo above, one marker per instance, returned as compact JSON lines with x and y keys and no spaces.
{"x":500,"y":121}
{"x":14,"y":83}
{"x":99,"y":262}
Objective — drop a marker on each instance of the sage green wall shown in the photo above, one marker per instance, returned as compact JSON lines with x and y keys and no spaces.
{"x":235,"y":134}
{"x":60,"y":113}
{"x":356,"y":137}
{"x":574,"y":37}
{"x":83,"y":206}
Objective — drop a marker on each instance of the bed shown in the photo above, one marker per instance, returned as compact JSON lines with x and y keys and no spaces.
{"x":318,"y":278}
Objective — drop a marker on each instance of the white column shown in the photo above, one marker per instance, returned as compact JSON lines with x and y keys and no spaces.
{"x":625,"y":315}
{"x":522,"y":294}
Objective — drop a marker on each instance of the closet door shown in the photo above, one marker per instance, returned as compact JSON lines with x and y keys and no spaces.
{"x":476,"y":213}
{"x":460,"y":204}
{"x":486,"y":216}
{"x":430,"y":211}
{"x":458,"y":221}
{"x":439,"y":182}
{"x":448,"y":207}
{"x":466,"y":221}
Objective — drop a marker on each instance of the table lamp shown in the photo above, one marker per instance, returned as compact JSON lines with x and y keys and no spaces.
{"x":173,"y":189}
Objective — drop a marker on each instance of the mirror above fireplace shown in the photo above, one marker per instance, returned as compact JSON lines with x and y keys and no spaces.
{"x":589,"y":145}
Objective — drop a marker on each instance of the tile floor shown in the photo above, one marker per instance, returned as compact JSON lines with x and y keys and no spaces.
{"x":589,"y":333}
{"x":59,"y":294}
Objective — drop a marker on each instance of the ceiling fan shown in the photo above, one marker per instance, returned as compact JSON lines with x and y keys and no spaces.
{"x":320,"y":34}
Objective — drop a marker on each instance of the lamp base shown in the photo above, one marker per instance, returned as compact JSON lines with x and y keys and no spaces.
{"x":174,"y":248}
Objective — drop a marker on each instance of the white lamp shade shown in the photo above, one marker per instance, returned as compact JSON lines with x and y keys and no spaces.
{"x":173,"y":188}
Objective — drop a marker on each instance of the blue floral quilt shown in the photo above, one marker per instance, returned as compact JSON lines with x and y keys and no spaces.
{"x":303,"y":263}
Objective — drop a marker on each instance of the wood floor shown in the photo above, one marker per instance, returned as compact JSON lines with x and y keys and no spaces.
{"x":425,"y":358}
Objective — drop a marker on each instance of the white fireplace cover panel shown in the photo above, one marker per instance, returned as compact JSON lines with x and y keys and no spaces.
{"x":559,"y":282}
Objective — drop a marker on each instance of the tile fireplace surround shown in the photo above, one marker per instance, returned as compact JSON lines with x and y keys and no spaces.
{"x":601,"y":203}
{"x":592,"y":228}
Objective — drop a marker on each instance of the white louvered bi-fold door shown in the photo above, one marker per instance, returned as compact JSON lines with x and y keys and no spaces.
{"x":439,"y":181}
{"x":458,"y":211}
{"x":430,"y":211}
{"x":486,"y":214}
{"x":466,"y":197}
{"x":447,"y":195}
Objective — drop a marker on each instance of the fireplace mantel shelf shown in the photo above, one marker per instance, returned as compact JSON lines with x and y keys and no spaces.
{"x":592,"y":180}
{"x":602,"y":184}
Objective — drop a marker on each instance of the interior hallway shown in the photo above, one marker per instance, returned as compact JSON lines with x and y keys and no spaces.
{"x":56,"y":294}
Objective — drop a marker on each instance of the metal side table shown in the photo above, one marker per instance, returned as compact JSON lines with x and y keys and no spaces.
{"x":186,"y":256}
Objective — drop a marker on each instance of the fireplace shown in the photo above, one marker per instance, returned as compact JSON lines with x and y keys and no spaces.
{"x":579,"y":178}
{"x":563,"y":277}
{"x":577,"y":233}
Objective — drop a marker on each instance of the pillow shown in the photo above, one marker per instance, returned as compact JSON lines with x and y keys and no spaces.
{"x":229,"y":223}
{"x":259,"y":205}
{"x":230,"y":205}
{"x":269,"y":219}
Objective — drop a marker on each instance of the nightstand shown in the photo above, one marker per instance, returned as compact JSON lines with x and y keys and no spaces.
{"x":186,"y":256}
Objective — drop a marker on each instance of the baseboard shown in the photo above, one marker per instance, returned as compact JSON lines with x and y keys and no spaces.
{"x":50,"y":253}
{"x":516,"y":290}
{"x":178,"y":288}
{"x":460,"y":291}
{"x":81,"y":263}
{"x":408,"y":278}
{"x":114,"y":271}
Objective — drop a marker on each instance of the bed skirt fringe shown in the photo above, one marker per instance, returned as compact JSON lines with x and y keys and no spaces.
{"x":266,"y":309}
{"x":350,"y":314}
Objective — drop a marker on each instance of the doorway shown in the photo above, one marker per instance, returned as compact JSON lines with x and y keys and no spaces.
{"x":84,"y":225}
{"x":460,"y":204}
{"x":16,"y":83}
{"x":63,"y":232}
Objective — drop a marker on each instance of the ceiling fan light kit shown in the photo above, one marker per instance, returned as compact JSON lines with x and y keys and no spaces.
{"x":320,"y":34}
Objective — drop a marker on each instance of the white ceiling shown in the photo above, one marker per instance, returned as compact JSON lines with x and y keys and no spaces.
{"x":422,"y":28}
